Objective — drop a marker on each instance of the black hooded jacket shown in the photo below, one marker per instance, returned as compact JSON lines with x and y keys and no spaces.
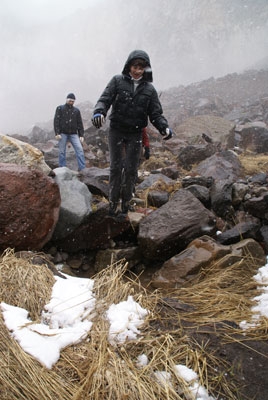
{"x":131,"y":109}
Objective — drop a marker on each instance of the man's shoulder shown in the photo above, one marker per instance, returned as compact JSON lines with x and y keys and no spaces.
{"x":60,"y":107}
{"x":76,"y":109}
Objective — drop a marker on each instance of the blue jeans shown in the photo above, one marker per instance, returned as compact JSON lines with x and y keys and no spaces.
{"x":75,"y":141}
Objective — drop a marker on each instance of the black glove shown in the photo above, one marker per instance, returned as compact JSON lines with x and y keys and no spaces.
{"x":167,"y":133}
{"x":147,"y":153}
{"x":98,"y":120}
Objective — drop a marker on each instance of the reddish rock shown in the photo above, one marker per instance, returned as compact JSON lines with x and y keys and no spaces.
{"x":29,"y":207}
{"x":202,"y":254}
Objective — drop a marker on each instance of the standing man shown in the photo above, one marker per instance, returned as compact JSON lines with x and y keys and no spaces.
{"x":133,"y":99}
{"x":68,"y":127}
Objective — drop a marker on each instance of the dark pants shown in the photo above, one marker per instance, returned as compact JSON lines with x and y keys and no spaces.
{"x":125,"y":149}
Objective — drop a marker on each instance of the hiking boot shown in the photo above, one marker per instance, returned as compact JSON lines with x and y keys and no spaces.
{"x":122,"y":217}
{"x":125,"y":207}
{"x":112,"y":209}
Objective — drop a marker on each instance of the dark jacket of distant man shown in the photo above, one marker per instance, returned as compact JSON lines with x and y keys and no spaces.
{"x":68,"y":120}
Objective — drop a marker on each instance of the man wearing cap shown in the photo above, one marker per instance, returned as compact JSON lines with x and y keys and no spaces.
{"x":68,"y":127}
{"x":133,"y":99}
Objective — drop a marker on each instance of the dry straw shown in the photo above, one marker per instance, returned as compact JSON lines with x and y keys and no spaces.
{"x":94,"y":369}
{"x":218,"y":294}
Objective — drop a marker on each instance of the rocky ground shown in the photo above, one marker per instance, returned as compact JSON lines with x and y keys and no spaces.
{"x":244,"y":361}
{"x":211,"y":107}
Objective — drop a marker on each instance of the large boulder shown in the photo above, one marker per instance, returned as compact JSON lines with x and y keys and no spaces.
{"x":170,"y":228}
{"x":29,"y":207}
{"x":13,"y":151}
{"x":96,"y":180}
{"x":252,"y":136}
{"x":75,"y":202}
{"x":95,"y":232}
{"x":194,"y":154}
{"x":223,"y":165}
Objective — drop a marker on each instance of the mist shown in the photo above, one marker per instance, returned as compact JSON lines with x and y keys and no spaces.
{"x":50,"y":48}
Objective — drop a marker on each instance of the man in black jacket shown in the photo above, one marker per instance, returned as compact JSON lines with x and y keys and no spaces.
{"x":68,"y":127}
{"x":133,"y":99}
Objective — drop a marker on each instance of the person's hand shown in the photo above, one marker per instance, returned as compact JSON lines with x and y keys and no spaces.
{"x":167,"y":133}
{"x":81,"y":139}
{"x":98,"y":120}
{"x":147,"y":153}
{"x":58,"y":137}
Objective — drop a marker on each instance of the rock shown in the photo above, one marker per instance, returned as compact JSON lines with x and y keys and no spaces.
{"x":198,"y":254}
{"x":223,"y":165}
{"x":197,"y":180}
{"x":75,"y":262}
{"x":29,"y":207}
{"x":239,"y":191}
{"x":261,"y":178}
{"x":152,"y":180}
{"x":221,"y":198}
{"x":104,"y":258}
{"x":97,"y":180}
{"x":95,"y":232}
{"x":245,"y":230}
{"x":171,"y":172}
{"x":258,"y":206}
{"x":251,"y":136}
{"x":173,"y":226}
{"x":75,"y":202}
{"x":13,"y":151}
{"x":39,"y":259}
{"x":201,"y":193}
{"x":264,"y":237}
{"x":201,"y":254}
{"x":51,"y":153}
{"x":251,"y":251}
{"x":194,"y":154}
{"x":157,"y":198}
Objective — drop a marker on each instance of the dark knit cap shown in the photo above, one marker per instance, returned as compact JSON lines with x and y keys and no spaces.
{"x":71,"y":96}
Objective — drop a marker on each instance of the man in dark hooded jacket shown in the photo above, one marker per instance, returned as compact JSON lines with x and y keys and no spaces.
{"x":133,"y":99}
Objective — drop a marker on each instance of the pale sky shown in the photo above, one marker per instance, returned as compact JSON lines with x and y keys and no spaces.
{"x":42,"y":10}
{"x":53,"y":47}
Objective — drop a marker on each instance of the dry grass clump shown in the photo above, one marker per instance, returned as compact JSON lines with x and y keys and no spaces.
{"x":21,"y":376}
{"x":226,"y":294}
{"x":24,"y":284}
{"x":95,"y":369}
{"x":254,"y":163}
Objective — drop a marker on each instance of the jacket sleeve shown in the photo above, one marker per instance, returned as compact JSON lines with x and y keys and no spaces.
{"x":156,"y":113}
{"x":107,"y":97}
{"x":57,"y":118}
{"x":80,"y":126}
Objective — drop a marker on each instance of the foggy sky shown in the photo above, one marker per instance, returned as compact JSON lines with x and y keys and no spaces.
{"x":52,"y":47}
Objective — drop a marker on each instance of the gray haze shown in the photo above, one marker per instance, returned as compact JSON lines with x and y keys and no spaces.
{"x":49,"y":49}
